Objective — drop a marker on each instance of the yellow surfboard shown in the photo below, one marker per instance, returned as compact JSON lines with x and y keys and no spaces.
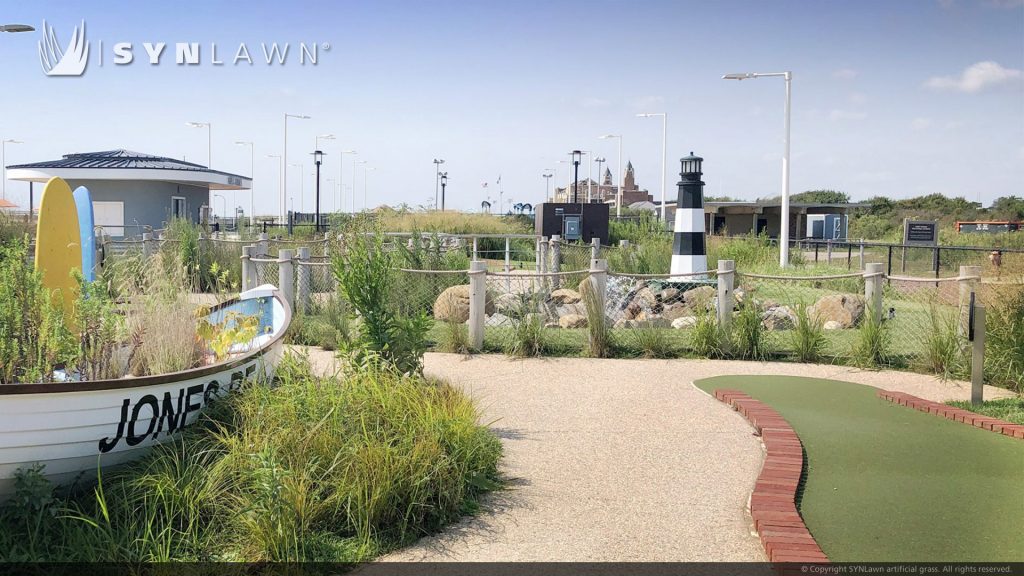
{"x":58,"y":243}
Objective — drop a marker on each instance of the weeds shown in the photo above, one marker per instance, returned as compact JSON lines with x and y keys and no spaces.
{"x":945,"y":351}
{"x":1004,"y":343}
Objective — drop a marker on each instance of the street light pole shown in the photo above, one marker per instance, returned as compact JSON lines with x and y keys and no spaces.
{"x":365,"y":168}
{"x":618,"y":199}
{"x":784,"y":231}
{"x":664,"y":147}
{"x":280,"y":169}
{"x":3,"y":166}
{"x":284,"y":160}
{"x":547,"y":185}
{"x":252,"y":178}
{"x":437,"y":172}
{"x":302,"y":188}
{"x":444,"y":183}
{"x":318,"y":159}
{"x":600,"y":162}
{"x":576,"y":157}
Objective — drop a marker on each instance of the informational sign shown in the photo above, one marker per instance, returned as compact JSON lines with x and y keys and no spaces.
{"x":921,"y":232}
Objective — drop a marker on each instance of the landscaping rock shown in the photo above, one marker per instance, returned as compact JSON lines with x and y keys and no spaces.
{"x":701,"y":297}
{"x":779,"y":318}
{"x":668,"y":296}
{"x":684,"y":322}
{"x":832,"y":325}
{"x":565,"y":296}
{"x":645,"y":298}
{"x":507,"y":303}
{"x":552,"y":325}
{"x":452,"y":305}
{"x":571,"y":309}
{"x":846,"y":309}
{"x":739,"y":295}
{"x":632,"y":311}
{"x":573,"y":321}
{"x":676,"y":311}
{"x":498,"y":319}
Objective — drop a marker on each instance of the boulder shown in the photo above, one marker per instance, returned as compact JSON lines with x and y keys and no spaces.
{"x":668,"y":296}
{"x":832,"y":325}
{"x":565,"y":296}
{"x":632,"y":311}
{"x":571,"y":309}
{"x":573,"y":321}
{"x":739,"y":295}
{"x":779,"y":318}
{"x":452,"y":305}
{"x":684,"y":322}
{"x":498,"y":319}
{"x":846,"y":309}
{"x":507,"y":303}
{"x":676,"y":311}
{"x":701,"y":297}
{"x":645,"y":298}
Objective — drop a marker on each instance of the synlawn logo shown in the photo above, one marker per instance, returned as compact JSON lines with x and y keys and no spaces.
{"x":74,"y":59}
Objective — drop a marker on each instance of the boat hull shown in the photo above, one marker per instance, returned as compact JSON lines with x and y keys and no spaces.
{"x":73,"y":432}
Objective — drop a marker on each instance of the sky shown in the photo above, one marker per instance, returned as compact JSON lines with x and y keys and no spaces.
{"x":891,"y":99}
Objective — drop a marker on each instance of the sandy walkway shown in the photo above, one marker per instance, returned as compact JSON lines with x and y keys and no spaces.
{"x":618,"y":459}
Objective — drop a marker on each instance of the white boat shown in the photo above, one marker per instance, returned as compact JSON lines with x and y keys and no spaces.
{"x":74,"y":427}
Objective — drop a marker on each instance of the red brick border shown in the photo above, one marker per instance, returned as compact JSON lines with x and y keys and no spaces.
{"x":773,"y":503}
{"x":956,"y":414}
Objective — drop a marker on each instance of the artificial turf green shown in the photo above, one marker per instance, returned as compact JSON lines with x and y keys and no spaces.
{"x":887,"y":483}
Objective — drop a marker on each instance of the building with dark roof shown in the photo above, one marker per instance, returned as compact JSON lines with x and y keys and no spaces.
{"x":134,"y":190}
{"x":607,"y":191}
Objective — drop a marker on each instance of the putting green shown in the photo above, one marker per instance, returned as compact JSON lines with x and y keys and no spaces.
{"x":887,"y":483}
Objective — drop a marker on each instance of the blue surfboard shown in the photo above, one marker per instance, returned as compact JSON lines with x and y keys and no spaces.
{"x":86,"y":225}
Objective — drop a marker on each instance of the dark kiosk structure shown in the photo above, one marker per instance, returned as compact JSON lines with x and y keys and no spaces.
{"x":573,"y":222}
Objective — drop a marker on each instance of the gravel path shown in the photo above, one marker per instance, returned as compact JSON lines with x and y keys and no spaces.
{"x":618,"y":460}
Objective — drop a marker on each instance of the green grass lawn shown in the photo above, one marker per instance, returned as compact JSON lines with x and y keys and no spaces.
{"x":1009,"y":409}
{"x":887,"y":483}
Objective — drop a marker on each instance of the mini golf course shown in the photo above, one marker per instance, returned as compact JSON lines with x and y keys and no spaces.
{"x":884,"y":482}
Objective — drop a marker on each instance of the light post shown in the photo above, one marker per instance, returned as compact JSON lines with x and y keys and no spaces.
{"x":365,"y":168}
{"x":341,"y":179}
{"x":618,"y":195}
{"x":316,"y":144}
{"x":3,"y":166}
{"x":784,"y":232}
{"x":664,"y":146}
{"x":252,"y":177}
{"x":284,"y":158}
{"x":354,"y":163}
{"x":600,"y":162}
{"x":576,"y":157}
{"x":302,"y":187}
{"x":444,"y":183}
{"x":547,"y":185}
{"x":437,"y":172}
{"x":318,"y":157}
{"x":209,"y":144}
{"x":280,"y":173}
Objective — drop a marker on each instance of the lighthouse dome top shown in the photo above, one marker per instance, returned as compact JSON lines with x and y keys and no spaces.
{"x":691,"y":164}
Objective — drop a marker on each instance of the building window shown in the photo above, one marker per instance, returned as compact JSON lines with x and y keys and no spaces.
{"x":178,"y":207}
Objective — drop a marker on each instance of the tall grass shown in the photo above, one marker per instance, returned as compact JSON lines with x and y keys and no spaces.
{"x":808,"y":335}
{"x":599,"y":334}
{"x":309,"y":470}
{"x":527,"y":336}
{"x":708,"y":339}
{"x":749,"y":337}
{"x":1004,"y":343}
{"x":945,"y":352}
{"x":873,"y":346}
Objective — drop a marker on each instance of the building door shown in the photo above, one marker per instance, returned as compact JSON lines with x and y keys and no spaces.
{"x":762,"y":226}
{"x":109,"y":216}
{"x":179,"y":209}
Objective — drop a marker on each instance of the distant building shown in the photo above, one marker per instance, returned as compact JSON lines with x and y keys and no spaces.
{"x":807,"y":220}
{"x":607,"y":191}
{"x":131,"y":190}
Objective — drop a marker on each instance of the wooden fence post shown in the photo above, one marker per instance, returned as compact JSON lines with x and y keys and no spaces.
{"x":477,"y":303}
{"x":286,"y":274}
{"x":873,"y":278}
{"x":248,"y":268}
{"x":978,"y":357}
{"x":302,"y":290}
{"x":726,"y":284}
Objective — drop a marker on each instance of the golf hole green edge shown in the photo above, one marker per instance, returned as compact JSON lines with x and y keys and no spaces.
{"x":884,"y":483}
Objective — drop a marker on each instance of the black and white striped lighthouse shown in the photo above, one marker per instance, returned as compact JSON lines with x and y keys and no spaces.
{"x":689,"y":254}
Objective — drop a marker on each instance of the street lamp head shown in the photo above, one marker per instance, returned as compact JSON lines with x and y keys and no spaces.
{"x":599,"y":159}
{"x":318,"y":156}
{"x":739,"y":76}
{"x":299,"y":116}
{"x":349,"y":152}
{"x":197,"y":124}
{"x":11,"y":141}
{"x":576,"y":157}
{"x":607,"y":136}
{"x":326,"y":137}
{"x":242,"y":143}
{"x":16,"y":28}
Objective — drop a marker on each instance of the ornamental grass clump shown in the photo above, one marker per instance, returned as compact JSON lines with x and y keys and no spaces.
{"x":311,"y":469}
{"x":808,"y":335}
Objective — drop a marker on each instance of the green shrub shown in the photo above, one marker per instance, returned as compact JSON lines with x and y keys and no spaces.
{"x":1004,"y":343}
{"x":808,"y":336}
{"x":309,"y":470}
{"x":945,"y":350}
{"x":749,"y":337}
{"x":873,"y":347}
{"x":34,"y":339}
{"x":366,"y":277}
{"x":651,"y":342}
{"x":527,"y":337}
{"x":707,"y":338}
{"x":455,"y":338}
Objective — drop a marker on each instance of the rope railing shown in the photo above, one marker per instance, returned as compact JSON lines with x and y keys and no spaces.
{"x":413,"y":271}
{"x":538,"y":274}
{"x":932,"y":280}
{"x":661,"y":276}
{"x":821,"y":277}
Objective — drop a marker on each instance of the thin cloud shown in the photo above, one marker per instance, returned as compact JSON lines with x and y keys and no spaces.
{"x":845,"y":74}
{"x":921,"y":123}
{"x":976,"y":78}
{"x":592,"y":103}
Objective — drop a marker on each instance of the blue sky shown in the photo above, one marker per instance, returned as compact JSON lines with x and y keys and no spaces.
{"x":889,"y":98}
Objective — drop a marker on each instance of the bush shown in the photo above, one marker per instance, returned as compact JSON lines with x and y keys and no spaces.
{"x":808,"y":336}
{"x":33,"y":337}
{"x":1004,"y":343}
{"x":309,"y":470}
{"x":651,"y":342}
{"x":366,"y":277}
{"x":749,"y":337}
{"x":455,"y":338}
